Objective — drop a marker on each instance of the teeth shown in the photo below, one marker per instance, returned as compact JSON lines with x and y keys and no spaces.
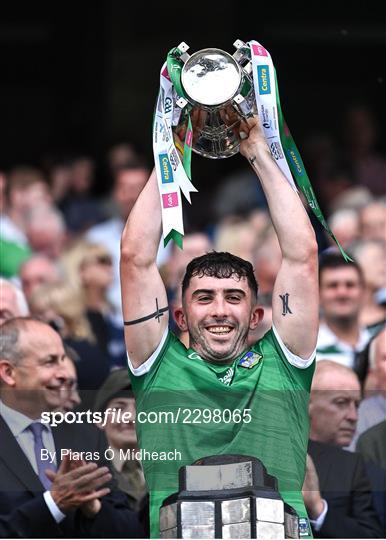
{"x":219,"y":329}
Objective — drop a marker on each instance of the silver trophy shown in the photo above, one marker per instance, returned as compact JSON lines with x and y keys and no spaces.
{"x":219,"y":91}
{"x":228,"y":496}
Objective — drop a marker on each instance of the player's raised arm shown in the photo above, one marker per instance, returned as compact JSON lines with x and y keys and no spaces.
{"x":144,"y":300}
{"x":295,"y":294}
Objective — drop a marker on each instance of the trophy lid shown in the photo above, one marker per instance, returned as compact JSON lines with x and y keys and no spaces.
{"x":211,"y":77}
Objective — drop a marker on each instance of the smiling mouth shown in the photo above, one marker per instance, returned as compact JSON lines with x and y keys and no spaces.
{"x":219,"y":330}
{"x":57,"y":389}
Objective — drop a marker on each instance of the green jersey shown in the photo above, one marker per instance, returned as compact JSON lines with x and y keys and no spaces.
{"x":188,"y":408}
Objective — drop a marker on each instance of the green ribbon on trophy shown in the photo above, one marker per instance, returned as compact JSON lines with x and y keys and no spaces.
{"x":267,"y":103}
{"x":268,"y":100}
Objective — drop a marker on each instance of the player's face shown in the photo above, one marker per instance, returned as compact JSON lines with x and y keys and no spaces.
{"x":218,"y":314}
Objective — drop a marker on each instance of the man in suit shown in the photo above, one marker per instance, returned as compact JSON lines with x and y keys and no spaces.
{"x":65,"y":498}
{"x":337,"y":490}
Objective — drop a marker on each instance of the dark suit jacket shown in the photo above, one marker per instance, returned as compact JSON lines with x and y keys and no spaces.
{"x":346,"y":488}
{"x":23,"y":510}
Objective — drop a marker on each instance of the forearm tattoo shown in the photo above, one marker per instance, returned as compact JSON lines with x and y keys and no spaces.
{"x":252,"y":160}
{"x":156,"y":315}
{"x":286,"y":308}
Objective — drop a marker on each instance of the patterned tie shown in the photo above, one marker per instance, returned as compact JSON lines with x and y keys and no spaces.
{"x":37,"y":430}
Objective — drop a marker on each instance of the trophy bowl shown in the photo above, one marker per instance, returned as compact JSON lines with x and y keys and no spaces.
{"x":219,"y":93}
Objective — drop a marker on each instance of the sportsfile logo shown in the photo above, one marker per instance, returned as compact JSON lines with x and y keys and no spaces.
{"x":264,"y":80}
{"x":258,"y":50}
{"x":166,"y":170}
{"x":169,"y":200}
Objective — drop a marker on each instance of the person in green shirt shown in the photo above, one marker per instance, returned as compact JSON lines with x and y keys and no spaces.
{"x":220,"y":396}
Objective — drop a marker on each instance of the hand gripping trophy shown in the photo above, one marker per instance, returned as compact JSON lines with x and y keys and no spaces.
{"x":202,"y":102}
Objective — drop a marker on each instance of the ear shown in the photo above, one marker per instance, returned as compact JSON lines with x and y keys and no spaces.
{"x":179,"y":317}
{"x":7,"y":374}
{"x":256,"y":316}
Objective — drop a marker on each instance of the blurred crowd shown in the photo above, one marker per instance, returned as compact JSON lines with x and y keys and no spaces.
{"x":59,"y":262}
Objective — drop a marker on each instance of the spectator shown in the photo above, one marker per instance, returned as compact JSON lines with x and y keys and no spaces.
{"x":26,"y":188}
{"x":236,"y":237}
{"x":63,"y":308}
{"x":96,"y":275}
{"x":341,"y":290}
{"x":128,"y":184}
{"x":372,"y":444}
{"x":38,"y":270}
{"x":46,"y":231}
{"x":337,"y":480}
{"x":334,"y":402}
{"x":373,"y":221}
{"x":12,"y":301}
{"x":120,"y":155}
{"x":116,"y":393}
{"x":71,"y":398}
{"x":12,"y":257}
{"x":372,"y":410}
{"x":267,"y":261}
{"x":64,"y":498}
{"x":81,"y":209}
{"x":345,"y":224}
{"x":371,"y":256}
{"x":238,"y":194}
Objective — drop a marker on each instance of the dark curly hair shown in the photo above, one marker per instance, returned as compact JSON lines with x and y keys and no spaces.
{"x":220,"y":265}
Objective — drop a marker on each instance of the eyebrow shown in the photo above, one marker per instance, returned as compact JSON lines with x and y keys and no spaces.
{"x":52,"y":357}
{"x":212,"y":291}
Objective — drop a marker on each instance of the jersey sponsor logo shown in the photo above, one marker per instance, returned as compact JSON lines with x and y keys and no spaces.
{"x":166,"y":170}
{"x":263,"y":79}
{"x":258,"y":50}
{"x":296,"y":160}
{"x":227,"y":379}
{"x":169,"y":200}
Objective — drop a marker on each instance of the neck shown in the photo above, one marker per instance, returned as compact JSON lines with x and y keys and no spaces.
{"x":22,"y":404}
{"x":346,"y":330}
{"x":95,"y":298}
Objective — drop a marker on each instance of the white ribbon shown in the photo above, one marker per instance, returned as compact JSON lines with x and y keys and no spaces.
{"x":171,"y":175}
{"x":264,"y":83}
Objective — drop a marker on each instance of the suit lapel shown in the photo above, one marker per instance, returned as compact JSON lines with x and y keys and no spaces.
{"x":321,"y":461}
{"x":16,"y":461}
